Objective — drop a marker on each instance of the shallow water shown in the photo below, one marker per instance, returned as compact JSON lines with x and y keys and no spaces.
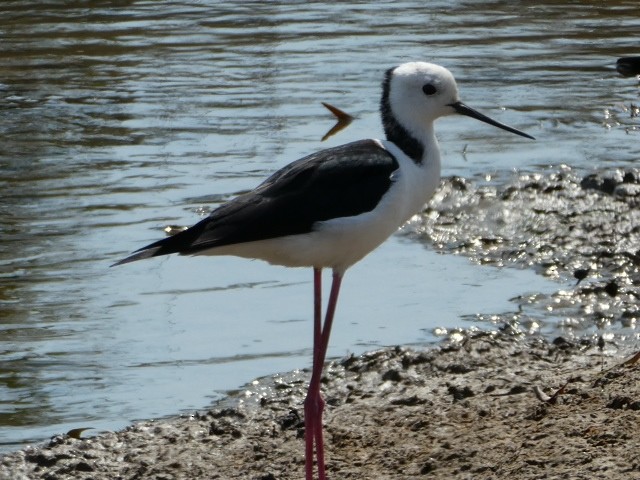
{"x":120,"y":120}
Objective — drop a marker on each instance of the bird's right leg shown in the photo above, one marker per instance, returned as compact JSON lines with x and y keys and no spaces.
{"x":313,"y":394}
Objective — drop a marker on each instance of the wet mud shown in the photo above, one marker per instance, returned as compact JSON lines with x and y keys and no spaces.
{"x":583,"y":231}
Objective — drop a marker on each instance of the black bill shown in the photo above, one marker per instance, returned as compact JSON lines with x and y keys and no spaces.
{"x":462,"y":109}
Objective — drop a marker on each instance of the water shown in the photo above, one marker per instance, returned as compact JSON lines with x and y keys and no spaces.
{"x":117,"y":121}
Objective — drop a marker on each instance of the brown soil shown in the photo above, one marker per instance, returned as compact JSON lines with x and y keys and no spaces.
{"x":465,"y":410}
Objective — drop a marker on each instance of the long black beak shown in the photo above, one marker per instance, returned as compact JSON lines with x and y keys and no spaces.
{"x":462,"y":109}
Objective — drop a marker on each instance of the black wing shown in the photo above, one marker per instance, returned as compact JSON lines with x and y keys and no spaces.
{"x":337,"y":182}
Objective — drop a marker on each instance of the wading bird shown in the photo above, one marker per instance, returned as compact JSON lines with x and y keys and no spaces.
{"x":333,"y":207}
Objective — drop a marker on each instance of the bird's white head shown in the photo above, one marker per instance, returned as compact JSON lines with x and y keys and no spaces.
{"x":414,"y":95}
{"x":420,"y":92}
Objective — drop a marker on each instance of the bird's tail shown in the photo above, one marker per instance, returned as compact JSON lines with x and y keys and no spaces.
{"x":181,"y":242}
{"x":146,"y":252}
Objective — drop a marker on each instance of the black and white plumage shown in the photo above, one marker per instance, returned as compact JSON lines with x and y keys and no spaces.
{"x":333,"y":207}
{"x":297,"y":204}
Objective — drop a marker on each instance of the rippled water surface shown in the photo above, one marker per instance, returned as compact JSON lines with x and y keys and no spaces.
{"x":119,"y":118}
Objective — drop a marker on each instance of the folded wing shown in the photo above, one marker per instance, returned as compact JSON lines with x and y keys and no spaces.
{"x":337,"y":182}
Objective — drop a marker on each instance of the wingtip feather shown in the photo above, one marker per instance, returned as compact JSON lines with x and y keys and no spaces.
{"x":139,"y":255}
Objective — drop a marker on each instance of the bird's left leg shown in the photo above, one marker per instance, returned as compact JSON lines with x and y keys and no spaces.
{"x":314,"y":403}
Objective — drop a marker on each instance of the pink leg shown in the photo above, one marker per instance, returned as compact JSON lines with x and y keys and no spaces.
{"x":308,"y":409}
{"x":314,"y":404}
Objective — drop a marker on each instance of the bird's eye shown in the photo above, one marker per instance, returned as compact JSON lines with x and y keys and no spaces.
{"x":429,"y":89}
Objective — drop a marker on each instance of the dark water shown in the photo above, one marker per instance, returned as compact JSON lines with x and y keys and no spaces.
{"x":118,"y":118}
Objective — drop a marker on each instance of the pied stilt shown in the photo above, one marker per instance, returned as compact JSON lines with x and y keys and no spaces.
{"x":333,"y":207}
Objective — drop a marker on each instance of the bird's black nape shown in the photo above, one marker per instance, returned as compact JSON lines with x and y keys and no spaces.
{"x":395,"y":132}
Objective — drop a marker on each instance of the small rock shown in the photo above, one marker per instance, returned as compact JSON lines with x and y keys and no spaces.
{"x":291,"y":420}
{"x":623,"y":402}
{"x":428,"y":467}
{"x":627,"y":190}
{"x":392,"y":375}
{"x":460,"y":393}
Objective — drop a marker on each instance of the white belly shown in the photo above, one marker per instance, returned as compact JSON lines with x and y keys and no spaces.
{"x":336,"y":243}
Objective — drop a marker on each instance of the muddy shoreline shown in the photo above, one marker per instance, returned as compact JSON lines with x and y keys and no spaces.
{"x":505,"y":403}
{"x":488,"y":406}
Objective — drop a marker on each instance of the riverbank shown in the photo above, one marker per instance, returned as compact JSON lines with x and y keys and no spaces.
{"x":488,"y":405}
